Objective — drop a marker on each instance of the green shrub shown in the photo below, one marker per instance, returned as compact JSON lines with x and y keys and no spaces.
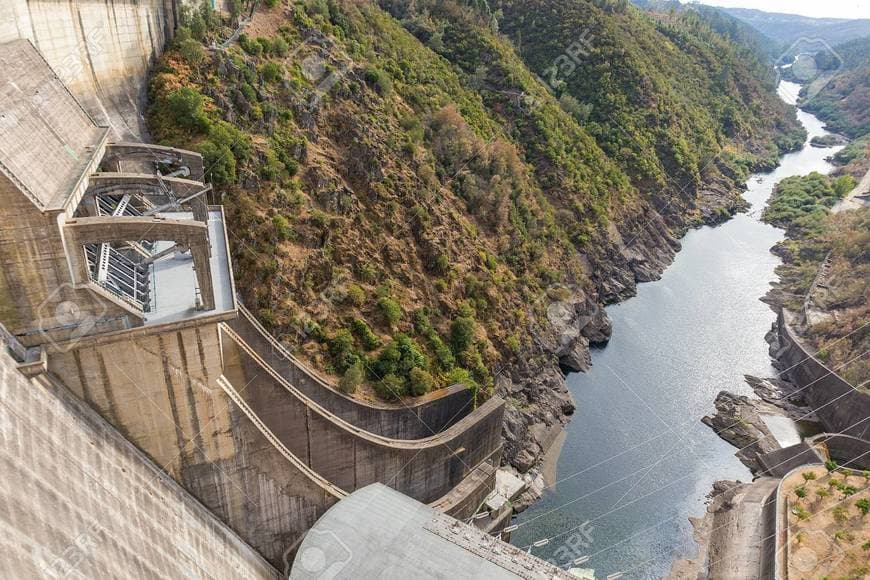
{"x":282,"y":227}
{"x":460,"y":376}
{"x":280,"y":48}
{"x":390,"y":388}
{"x":399,"y":357}
{"x":272,"y":72}
{"x":248,"y":92}
{"x":379,"y":80}
{"x":353,"y":378}
{"x":185,"y":105}
{"x":421,"y":382}
{"x":250,"y":46}
{"x":219,"y":162}
{"x":420,"y":320}
{"x":831,"y":466}
{"x":265,"y":44}
{"x":444,"y":359}
{"x":356,"y":296}
{"x":461,"y":334}
{"x":410,"y":355}
{"x":363,"y":332}
{"x":341,"y":349}
{"x":192,"y":52}
{"x":863,"y":505}
{"x":391,"y":310}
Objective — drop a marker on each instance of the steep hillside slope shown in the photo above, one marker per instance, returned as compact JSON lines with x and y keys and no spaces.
{"x":412,"y":206}
{"x":676,"y":104}
{"x":844,"y":103}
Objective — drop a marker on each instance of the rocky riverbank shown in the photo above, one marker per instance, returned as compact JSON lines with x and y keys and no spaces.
{"x":538,"y":402}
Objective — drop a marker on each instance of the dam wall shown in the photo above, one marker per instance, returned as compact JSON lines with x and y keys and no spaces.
{"x":351,"y":458}
{"x":78,"y":500}
{"x":101,"y":49}
{"x":417,"y":419}
{"x":839,"y":406}
{"x":161,"y":388}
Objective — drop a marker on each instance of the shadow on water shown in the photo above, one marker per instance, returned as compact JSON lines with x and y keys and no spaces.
{"x":637,"y":462}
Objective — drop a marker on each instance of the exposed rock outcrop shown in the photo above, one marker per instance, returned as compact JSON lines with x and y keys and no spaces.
{"x":738,"y":421}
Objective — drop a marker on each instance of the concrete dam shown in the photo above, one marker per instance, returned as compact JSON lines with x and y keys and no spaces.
{"x":151,"y":425}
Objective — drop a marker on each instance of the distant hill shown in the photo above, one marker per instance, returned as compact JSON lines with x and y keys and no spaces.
{"x":737,"y":30}
{"x":786,"y":28}
{"x":844,"y":102}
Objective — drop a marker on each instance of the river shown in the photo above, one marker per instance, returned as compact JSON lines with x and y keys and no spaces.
{"x":637,"y":462}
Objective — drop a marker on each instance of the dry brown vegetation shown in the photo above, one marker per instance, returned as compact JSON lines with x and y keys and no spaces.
{"x":828,"y":523}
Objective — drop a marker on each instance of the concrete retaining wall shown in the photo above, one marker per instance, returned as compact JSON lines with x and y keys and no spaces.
{"x":351,"y":458}
{"x":779,"y":462}
{"x":422,"y":417}
{"x":101,"y":49}
{"x":849,"y":452}
{"x":840,"y":407}
{"x":78,"y":500}
{"x":160,"y":388}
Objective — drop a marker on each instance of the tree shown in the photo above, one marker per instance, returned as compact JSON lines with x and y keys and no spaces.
{"x":185,"y":105}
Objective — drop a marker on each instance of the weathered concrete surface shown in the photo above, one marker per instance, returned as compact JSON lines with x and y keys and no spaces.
{"x":159,"y":387}
{"x":131,"y":157}
{"x":47,"y":142}
{"x":101,"y":49}
{"x":779,"y":462}
{"x":416,"y":419}
{"x":741,"y":540}
{"x":76,"y":495}
{"x":425,"y":469}
{"x":849,"y":452}
{"x":379,"y":533}
{"x":839,"y":406}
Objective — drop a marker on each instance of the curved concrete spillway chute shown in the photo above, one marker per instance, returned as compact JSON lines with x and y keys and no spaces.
{"x":351,"y":458}
{"x":417,"y":419}
{"x":840,"y":406}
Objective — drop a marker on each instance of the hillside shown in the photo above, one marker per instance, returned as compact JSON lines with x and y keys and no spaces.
{"x":825,"y":268}
{"x":787,"y":28}
{"x":844,"y":102}
{"x":412,"y":206}
{"x":740,"y":32}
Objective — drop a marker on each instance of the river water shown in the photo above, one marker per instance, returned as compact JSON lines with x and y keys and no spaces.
{"x":637,"y":462}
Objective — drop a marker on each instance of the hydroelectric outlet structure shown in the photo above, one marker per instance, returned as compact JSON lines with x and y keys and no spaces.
{"x":147,"y":405}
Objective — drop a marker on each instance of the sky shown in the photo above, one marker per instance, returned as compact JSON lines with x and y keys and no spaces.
{"x":813,"y":8}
